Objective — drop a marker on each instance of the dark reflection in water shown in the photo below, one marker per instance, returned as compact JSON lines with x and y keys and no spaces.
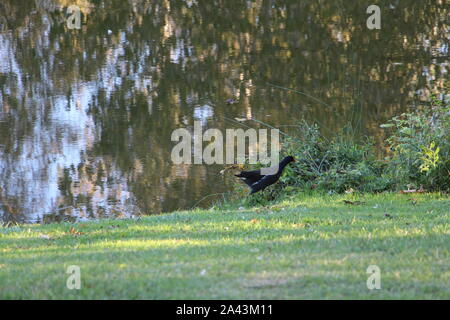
{"x":86,"y":115}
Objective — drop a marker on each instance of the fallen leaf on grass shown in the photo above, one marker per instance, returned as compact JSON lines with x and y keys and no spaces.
{"x":355,"y":203}
{"x":420,"y":190}
{"x":75,"y":232}
{"x":253,"y":221}
{"x":302,"y":225}
{"x":411,"y":191}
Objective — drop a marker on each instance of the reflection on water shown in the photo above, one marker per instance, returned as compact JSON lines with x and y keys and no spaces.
{"x":86,"y":115}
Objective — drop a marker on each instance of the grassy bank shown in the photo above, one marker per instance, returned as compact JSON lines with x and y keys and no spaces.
{"x":305,"y":246}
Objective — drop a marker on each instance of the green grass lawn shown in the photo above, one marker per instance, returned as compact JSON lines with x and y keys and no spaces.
{"x":304,"y":247}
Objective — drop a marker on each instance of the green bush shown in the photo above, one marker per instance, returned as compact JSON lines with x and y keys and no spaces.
{"x":333,"y":165}
{"x":420,"y":145}
{"x":420,"y":142}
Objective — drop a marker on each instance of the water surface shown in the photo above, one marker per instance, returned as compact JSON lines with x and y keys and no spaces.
{"x":86,"y":115}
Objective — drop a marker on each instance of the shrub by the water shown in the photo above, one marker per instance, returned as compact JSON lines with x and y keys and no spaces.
{"x":333,"y":165}
{"x":419,"y":142}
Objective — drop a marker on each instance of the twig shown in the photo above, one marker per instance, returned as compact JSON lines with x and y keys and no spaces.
{"x":299,"y":92}
{"x":232,"y":120}
{"x":269,"y":126}
{"x":209,"y":195}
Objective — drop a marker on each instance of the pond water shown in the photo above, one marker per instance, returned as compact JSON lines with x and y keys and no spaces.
{"x":86,"y":115}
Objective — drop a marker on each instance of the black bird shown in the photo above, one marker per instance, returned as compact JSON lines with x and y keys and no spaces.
{"x":256,"y":181}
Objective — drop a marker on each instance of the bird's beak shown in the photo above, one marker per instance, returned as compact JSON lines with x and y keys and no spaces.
{"x":293,"y":160}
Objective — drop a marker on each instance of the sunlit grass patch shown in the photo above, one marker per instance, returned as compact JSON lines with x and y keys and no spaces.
{"x":304,"y":246}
